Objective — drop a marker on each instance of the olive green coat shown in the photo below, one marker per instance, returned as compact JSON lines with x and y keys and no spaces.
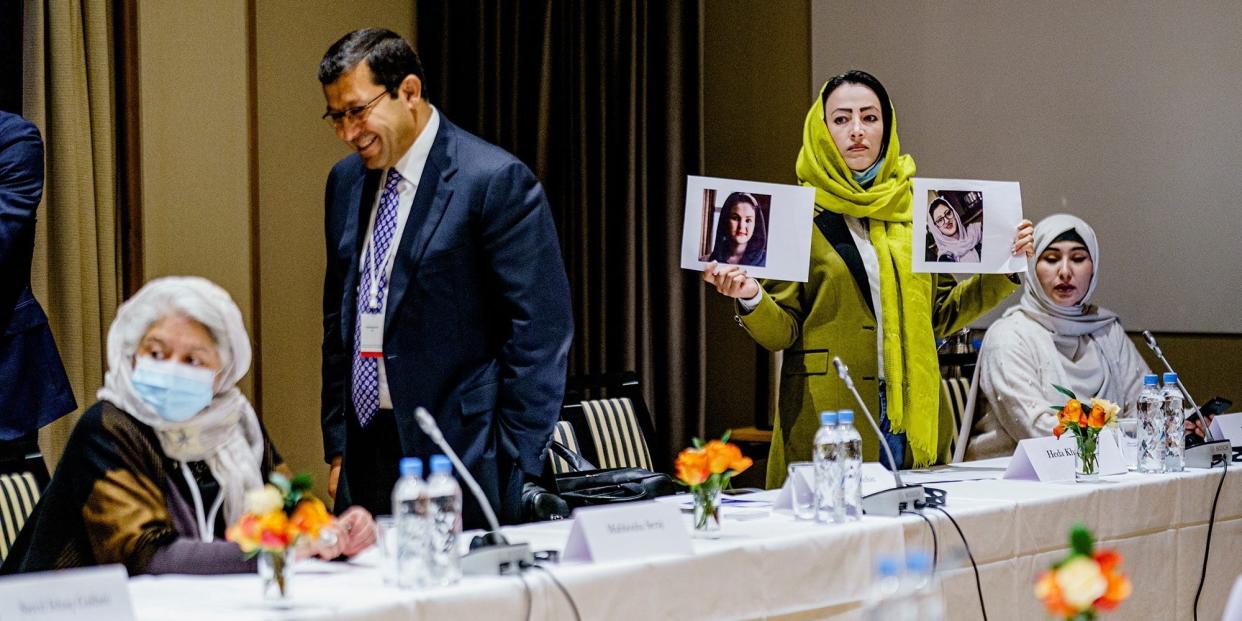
{"x":828,"y":316}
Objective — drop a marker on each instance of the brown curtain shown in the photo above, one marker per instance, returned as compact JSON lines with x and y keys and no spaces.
{"x":68,"y":77}
{"x":603,"y":101}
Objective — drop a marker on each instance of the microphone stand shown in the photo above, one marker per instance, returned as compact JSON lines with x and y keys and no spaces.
{"x":890,"y":502}
{"x":490,"y":554}
{"x":1205,"y":455}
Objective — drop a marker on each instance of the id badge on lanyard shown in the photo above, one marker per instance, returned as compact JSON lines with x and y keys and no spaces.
{"x":371,"y":322}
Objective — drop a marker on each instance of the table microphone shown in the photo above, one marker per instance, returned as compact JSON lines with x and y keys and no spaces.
{"x":490,"y":553}
{"x":1204,"y":455}
{"x":890,"y":502}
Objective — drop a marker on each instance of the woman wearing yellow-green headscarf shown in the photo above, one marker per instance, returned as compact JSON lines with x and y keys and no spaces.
{"x":861,"y":301}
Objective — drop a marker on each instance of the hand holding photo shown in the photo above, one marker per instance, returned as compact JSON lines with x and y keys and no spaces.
{"x":949,"y":218}
{"x":763,"y":228}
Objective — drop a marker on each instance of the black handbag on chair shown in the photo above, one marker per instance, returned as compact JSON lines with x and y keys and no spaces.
{"x":589,"y":486}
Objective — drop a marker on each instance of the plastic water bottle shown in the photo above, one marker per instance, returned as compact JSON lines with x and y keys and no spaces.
{"x":926,"y":600}
{"x":851,"y":464}
{"x":827,"y":458}
{"x":887,"y":599}
{"x":1174,"y":424}
{"x":443,"y":523}
{"x":409,"y":500}
{"x":1151,"y":436}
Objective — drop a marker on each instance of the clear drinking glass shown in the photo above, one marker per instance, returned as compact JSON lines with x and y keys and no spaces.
{"x":801,"y":482}
{"x":386,"y":540}
{"x":1127,"y":438}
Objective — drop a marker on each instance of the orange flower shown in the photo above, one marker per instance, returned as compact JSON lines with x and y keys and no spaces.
{"x":1071,"y":413}
{"x":1119,"y":587}
{"x":720,"y":455}
{"x":1058,"y":430}
{"x":1097,"y":418}
{"x":245,"y":533}
{"x":309,"y":516}
{"x":692,"y":466}
{"x":1047,"y":590}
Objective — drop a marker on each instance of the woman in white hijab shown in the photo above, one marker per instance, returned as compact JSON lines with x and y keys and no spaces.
{"x":954,"y":241}
{"x":158,"y":467}
{"x":1053,"y":336}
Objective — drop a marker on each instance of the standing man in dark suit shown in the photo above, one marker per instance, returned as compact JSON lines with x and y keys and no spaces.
{"x":444,"y":289}
{"x":34,"y":390}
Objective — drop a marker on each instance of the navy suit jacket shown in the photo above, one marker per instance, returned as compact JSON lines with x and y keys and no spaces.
{"x":478,"y":319}
{"x":34,"y":390}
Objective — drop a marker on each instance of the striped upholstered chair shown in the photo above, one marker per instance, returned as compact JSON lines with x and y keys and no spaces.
{"x":955,"y":390}
{"x":19,"y":492}
{"x":610,"y":418}
{"x":563,"y":433}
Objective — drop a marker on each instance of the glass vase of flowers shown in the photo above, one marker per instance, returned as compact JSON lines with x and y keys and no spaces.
{"x":277,"y":516}
{"x":706,"y":469}
{"x":1085,"y":425}
{"x":1085,"y":583}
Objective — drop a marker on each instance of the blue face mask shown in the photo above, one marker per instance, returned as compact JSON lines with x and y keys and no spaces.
{"x":175,"y":391}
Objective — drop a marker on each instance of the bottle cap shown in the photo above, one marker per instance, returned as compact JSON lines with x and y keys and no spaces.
{"x":411,"y":467}
{"x":827,"y":417}
{"x":1170,"y":378}
{"x":441,"y":465}
{"x":887,"y":567}
{"x":1151,"y":379}
{"x":918,"y":562}
{"x":845,"y":417}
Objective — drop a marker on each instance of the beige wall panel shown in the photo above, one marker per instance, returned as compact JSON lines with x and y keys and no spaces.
{"x":756,"y":63}
{"x":296,"y":150}
{"x":195,"y":177}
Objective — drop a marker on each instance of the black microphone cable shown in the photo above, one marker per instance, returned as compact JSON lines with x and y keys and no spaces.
{"x":1207,"y":548}
{"x":935,"y":543}
{"x":569,"y":598}
{"x":971,"y":556}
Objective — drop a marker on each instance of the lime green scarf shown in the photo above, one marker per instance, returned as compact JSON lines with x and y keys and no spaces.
{"x":911,"y":368}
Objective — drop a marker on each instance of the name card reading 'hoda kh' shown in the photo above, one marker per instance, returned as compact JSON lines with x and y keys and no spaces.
{"x":1050,"y":459}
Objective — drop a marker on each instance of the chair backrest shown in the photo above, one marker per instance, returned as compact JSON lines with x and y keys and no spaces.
{"x":616,"y":433}
{"x":563,"y":433}
{"x":956,"y":390}
{"x":19,"y":492}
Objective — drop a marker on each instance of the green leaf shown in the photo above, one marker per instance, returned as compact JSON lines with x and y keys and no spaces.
{"x":1065,"y":391}
{"x":698,"y":444}
{"x":1055,"y":408}
{"x":1081,"y":541}
{"x":302,"y":483}
{"x":725,"y":437}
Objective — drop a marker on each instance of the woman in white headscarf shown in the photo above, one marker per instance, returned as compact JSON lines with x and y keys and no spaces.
{"x":954,"y":241}
{"x":1053,"y":336}
{"x":158,"y":467}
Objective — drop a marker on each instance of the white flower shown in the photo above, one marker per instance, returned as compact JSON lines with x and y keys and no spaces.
{"x":1081,"y":582}
{"x":264,"y":500}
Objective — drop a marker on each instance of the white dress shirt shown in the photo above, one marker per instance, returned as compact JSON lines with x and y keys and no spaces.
{"x":410,"y":167}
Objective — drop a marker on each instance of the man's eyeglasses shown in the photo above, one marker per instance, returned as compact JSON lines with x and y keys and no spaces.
{"x":356,"y":114}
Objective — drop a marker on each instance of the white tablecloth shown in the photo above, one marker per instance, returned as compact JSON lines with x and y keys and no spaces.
{"x":774,"y":567}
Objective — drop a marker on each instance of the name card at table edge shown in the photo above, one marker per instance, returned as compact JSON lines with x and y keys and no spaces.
{"x":95,"y":593}
{"x":628,"y":531}
{"x":1048,"y":459}
{"x":1228,"y":427}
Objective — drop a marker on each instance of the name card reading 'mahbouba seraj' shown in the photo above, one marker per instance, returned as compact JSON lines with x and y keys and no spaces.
{"x":1049,"y":459}
{"x":634,"y":530}
{"x":96,"y":593}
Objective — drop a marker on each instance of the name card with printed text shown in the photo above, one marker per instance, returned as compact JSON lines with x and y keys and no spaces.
{"x":1228,"y":427}
{"x":876,"y":478}
{"x":95,"y":593}
{"x":801,"y":484}
{"x":632,"y":530}
{"x":1049,"y":459}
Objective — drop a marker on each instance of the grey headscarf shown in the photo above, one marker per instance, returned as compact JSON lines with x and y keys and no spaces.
{"x":226,"y":433}
{"x":1079,"y":319}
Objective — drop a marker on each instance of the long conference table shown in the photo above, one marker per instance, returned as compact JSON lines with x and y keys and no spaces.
{"x":767,"y":565}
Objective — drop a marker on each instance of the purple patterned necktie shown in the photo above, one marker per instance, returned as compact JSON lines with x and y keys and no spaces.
{"x":366,"y":370}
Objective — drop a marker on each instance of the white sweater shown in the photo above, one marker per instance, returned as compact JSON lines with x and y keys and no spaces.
{"x":1019,"y":363}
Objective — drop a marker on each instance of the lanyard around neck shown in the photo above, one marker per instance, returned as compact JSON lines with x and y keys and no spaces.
{"x":368,"y":254}
{"x":205,"y":521}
